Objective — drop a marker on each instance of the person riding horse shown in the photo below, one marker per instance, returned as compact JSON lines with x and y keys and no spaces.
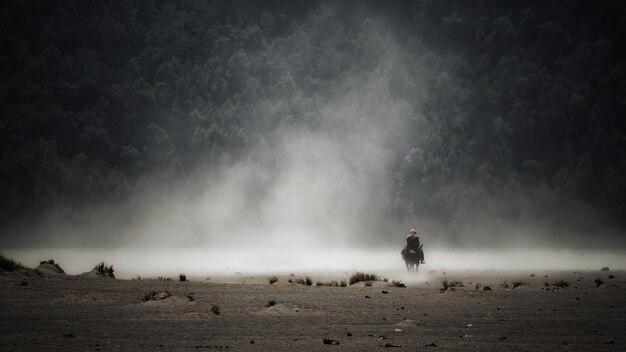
{"x":413,"y":244}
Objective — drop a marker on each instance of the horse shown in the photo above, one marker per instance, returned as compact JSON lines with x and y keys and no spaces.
{"x":412,"y":258}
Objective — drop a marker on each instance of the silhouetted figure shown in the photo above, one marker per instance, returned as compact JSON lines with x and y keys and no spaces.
{"x":412,"y":253}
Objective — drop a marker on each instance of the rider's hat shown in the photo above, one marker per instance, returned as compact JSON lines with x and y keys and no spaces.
{"x":412,"y":232}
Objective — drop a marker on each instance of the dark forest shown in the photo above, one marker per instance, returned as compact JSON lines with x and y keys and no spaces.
{"x":479,"y":121}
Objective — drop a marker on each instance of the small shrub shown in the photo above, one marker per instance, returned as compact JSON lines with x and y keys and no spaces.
{"x":504,"y":285}
{"x":599,"y":282}
{"x":343,"y":283}
{"x":519,"y":283}
{"x":306,"y":281}
{"x":397,"y":283}
{"x":215,"y":310}
{"x":451,"y":284}
{"x":8,"y":264}
{"x":561,"y":284}
{"x":273,"y":279}
{"x":361,"y":276}
{"x":51,"y":262}
{"x":102,"y":269}
{"x":182,"y":277}
{"x":271,"y":303}
{"x":164,"y":278}
{"x":332,"y":283}
{"x":478,"y":286}
{"x":148,"y":296}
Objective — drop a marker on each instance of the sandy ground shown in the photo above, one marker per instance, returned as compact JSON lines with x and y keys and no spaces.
{"x":80,"y":313}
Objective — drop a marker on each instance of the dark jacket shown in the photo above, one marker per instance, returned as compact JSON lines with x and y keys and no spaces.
{"x":413,"y":242}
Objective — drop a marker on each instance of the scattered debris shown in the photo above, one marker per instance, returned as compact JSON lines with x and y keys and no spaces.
{"x":502,"y":338}
{"x":385,"y":292}
{"x":271,"y":303}
{"x":215,"y":310}
{"x":382,"y":337}
{"x":349,"y":334}
{"x":599,"y":282}
{"x":610,"y":342}
{"x":469,"y":326}
{"x":69,"y":335}
{"x":366,"y":296}
{"x":611,"y":277}
{"x":487,"y":288}
{"x":396,"y":283}
{"x":433,"y":344}
{"x":330,"y":341}
{"x":156,"y":296}
{"x":388,"y":344}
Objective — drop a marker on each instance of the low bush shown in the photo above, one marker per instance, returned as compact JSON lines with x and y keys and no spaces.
{"x":519,"y":283}
{"x":102,"y":269}
{"x":306,"y":281}
{"x":361,"y":276}
{"x":397,"y":283}
{"x":451,"y":284}
{"x":333,"y":283}
{"x":8,"y":264}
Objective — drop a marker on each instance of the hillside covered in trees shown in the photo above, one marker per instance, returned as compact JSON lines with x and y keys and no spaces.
{"x":487,"y":120}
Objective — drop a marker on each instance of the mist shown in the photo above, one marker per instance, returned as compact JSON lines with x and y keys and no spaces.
{"x":286,"y":133}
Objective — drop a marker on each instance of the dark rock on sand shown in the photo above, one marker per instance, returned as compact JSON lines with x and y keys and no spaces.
{"x":331,"y":341}
{"x":388,"y":344}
